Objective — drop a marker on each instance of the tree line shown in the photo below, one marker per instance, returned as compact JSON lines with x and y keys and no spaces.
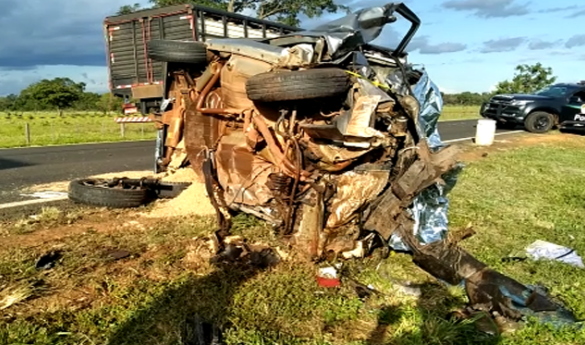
{"x":59,"y":94}
{"x":526,"y":79}
{"x":283,"y":11}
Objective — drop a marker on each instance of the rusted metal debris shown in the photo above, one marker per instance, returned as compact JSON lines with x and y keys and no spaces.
{"x":334,"y":142}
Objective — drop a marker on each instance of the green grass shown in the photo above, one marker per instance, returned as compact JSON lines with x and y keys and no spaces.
{"x":511,"y":197}
{"x":451,"y":112}
{"x":47,"y":128}
{"x":532,"y":193}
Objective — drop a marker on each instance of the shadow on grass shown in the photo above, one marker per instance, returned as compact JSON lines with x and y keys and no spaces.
{"x":183,"y":314}
{"x":435,"y":326}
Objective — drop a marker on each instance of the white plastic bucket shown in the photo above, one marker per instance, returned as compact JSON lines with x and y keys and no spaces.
{"x":485,"y":133}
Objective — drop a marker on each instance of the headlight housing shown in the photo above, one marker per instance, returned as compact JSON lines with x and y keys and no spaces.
{"x":520,"y":103}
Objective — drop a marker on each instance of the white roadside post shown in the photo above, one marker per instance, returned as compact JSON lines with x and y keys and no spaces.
{"x":485,"y":132}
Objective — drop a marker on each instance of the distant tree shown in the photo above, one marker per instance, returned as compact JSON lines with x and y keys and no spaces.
{"x":284,"y":11}
{"x":58,"y":93}
{"x":527,"y":79}
{"x":8,"y":102}
{"x":127,"y":9}
{"x":108,"y":103}
{"x":466,"y":98}
{"x":87,"y":101}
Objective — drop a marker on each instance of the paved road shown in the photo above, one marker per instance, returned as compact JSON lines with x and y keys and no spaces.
{"x":28,"y":166}
{"x":452,"y":130}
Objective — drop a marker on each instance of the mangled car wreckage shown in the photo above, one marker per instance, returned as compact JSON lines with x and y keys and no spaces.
{"x":331,"y":139}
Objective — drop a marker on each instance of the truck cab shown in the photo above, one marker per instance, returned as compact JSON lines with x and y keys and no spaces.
{"x":539,"y":112}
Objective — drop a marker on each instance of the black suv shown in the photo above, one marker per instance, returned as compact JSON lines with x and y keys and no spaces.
{"x":556,"y":105}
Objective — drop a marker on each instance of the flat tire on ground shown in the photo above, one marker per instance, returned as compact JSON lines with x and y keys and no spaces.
{"x":297,"y":85}
{"x":177,"y":51}
{"x":86,"y":191}
{"x":539,"y":122}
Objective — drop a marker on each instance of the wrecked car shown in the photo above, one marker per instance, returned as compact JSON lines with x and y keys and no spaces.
{"x":331,"y":139}
{"x":305,"y":131}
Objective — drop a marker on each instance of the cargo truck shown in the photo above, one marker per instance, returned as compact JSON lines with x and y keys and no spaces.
{"x":133,"y":75}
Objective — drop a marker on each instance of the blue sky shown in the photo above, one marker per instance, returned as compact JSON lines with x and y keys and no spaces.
{"x":466,"y":45}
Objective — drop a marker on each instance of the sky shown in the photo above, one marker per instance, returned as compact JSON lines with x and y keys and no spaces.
{"x":465,"y":45}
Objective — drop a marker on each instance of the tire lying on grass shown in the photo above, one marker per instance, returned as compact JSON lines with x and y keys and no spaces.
{"x":297,"y":85}
{"x":177,"y":51}
{"x":93,"y":192}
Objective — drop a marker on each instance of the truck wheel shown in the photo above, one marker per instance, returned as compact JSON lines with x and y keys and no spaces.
{"x":94,"y":192}
{"x":539,"y":122}
{"x":297,"y":85}
{"x":177,"y":51}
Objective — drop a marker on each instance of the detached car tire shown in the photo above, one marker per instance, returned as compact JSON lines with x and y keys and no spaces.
{"x":177,"y":51}
{"x":297,"y":85}
{"x":86,"y":191}
{"x":539,"y":122}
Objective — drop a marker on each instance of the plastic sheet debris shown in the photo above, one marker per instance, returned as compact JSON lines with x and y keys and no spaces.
{"x":545,"y":250}
{"x":429,"y":209}
{"x":328,"y":272}
{"x":327,"y":277}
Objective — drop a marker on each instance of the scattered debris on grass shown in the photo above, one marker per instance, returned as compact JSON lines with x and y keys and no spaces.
{"x":49,"y":260}
{"x":118,"y":254}
{"x":327,"y":277}
{"x":550,"y":251}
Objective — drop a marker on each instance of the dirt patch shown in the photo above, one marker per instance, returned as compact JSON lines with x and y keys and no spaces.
{"x":473,"y":153}
{"x":98,"y":222}
{"x":192,"y":201}
{"x":128,"y":174}
{"x":182,"y":175}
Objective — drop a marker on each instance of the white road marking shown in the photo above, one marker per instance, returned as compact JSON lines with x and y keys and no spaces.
{"x":30,"y":202}
{"x":469,"y":138}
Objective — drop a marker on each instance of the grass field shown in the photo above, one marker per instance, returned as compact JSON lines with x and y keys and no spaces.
{"x":512,"y":197}
{"x":451,"y":113}
{"x":84,"y":127}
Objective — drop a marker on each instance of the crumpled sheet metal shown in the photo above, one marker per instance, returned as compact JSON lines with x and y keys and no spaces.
{"x":429,"y":208}
{"x":353,"y":191}
{"x":343,"y":35}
